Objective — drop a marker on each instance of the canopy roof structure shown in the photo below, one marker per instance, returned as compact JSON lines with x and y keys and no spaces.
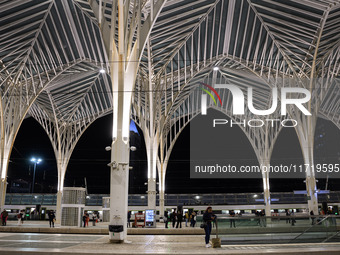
{"x":55,"y":62}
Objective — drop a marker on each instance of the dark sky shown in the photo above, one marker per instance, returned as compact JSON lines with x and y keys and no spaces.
{"x":89,"y":160}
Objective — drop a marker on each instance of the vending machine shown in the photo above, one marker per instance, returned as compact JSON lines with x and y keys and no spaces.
{"x":150,"y":218}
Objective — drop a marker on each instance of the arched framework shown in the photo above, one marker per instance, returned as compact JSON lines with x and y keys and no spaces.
{"x":246,"y":32}
{"x":262,"y":139}
{"x":44,"y":42}
{"x":65,"y":122}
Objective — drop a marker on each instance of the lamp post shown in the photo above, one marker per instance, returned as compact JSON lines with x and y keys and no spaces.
{"x":35,"y":161}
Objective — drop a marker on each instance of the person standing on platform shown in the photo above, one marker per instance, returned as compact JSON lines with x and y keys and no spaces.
{"x":312,"y":217}
{"x":84,"y":219}
{"x":232,"y":221}
{"x":193,"y":219}
{"x":186,"y":219}
{"x":208,"y":217}
{"x":51,"y":217}
{"x":173,"y":218}
{"x":87,"y":219}
{"x":19,"y":218}
{"x":128,"y":219}
{"x":22,"y":215}
{"x":166,"y":219}
{"x":288,"y":216}
{"x":179,"y":219}
{"x":293,"y":218}
{"x":4,"y":216}
{"x":263,"y":219}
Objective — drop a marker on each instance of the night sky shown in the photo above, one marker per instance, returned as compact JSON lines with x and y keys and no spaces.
{"x":90,"y":159}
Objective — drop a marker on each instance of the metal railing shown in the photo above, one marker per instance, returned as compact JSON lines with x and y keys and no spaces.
{"x":180,"y":199}
{"x":250,"y":229}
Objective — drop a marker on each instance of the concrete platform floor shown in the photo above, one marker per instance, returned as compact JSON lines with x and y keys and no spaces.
{"x":41,"y":244}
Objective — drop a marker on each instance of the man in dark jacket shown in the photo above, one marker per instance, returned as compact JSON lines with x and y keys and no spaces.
{"x":166,"y":219}
{"x":179,"y":219}
{"x":51,"y":217}
{"x":173,"y":218}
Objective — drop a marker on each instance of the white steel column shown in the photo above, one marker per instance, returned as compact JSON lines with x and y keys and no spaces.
{"x":123,"y":65}
{"x":61,"y":177}
{"x":312,"y":196}
{"x":122,"y":81}
{"x":161,"y":173}
{"x":58,"y":207}
{"x":161,"y":186}
{"x":4,"y":168}
{"x":152,"y":150}
{"x":62,"y":161}
{"x":3,"y":186}
{"x":266,"y":191}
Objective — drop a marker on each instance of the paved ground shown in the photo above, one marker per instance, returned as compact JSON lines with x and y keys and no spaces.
{"x":94,"y":240}
{"x":18,"y":243}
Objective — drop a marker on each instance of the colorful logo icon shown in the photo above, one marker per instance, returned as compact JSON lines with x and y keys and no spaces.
{"x":204,"y":97}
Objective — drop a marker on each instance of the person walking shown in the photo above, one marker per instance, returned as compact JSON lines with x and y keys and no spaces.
{"x":166,"y":219}
{"x":232,"y":221}
{"x":186,"y":218}
{"x":4,"y":216}
{"x":173,"y":218}
{"x":208,"y":217}
{"x":51,"y":218}
{"x":179,"y":219}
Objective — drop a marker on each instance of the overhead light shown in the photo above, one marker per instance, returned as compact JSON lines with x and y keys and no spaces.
{"x":142,"y":197}
{"x":102,"y":70}
{"x":36,"y":161}
{"x":197,"y":197}
{"x":255,"y":195}
{"x":216,"y":68}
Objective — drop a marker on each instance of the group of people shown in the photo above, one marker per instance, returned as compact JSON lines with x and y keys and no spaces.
{"x":86,"y":218}
{"x":177,"y":217}
{"x":261,"y":220}
{"x":290,"y":219}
